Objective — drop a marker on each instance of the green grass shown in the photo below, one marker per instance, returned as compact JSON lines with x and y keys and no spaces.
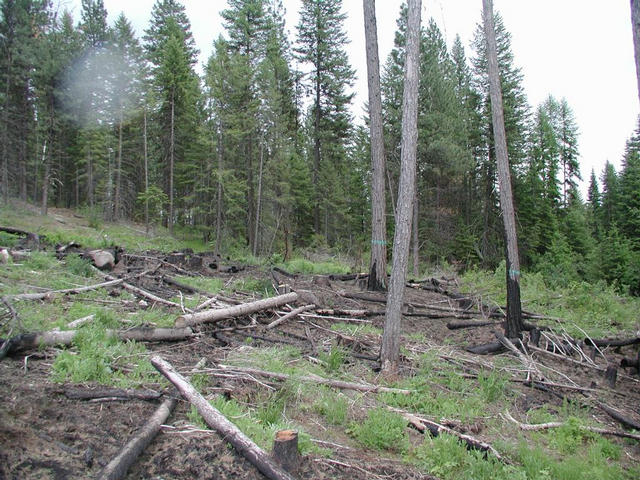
{"x":332,"y":405}
{"x":206,"y":284}
{"x":101,"y":358}
{"x":355,"y":329}
{"x":597,"y":309}
{"x":307,"y":267}
{"x":260,"y":286}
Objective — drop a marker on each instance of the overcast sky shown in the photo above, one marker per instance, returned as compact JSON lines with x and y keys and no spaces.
{"x":578,"y":49}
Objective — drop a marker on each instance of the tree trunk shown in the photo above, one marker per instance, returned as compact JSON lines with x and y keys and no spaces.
{"x":219,"y":193}
{"x":256,"y":237}
{"x":117,"y":199}
{"x":90,"y":178}
{"x":416,"y":238}
{"x":378,"y":267}
{"x":513,"y":324}
{"x":146,"y":173}
{"x":316,"y":155}
{"x":45,"y":180}
{"x":390,"y":351}
{"x":635,"y":26}
{"x":172,"y":148}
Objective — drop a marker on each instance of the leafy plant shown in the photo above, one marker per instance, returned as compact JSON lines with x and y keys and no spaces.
{"x":333,"y":360}
{"x":382,"y":430}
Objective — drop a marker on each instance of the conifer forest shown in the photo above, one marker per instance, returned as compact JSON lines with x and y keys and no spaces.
{"x":256,"y":154}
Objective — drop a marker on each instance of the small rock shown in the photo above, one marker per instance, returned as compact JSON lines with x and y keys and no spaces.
{"x":143,"y":304}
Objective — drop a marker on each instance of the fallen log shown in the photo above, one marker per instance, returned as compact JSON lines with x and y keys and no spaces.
{"x":291,"y":314}
{"x":181,"y":286}
{"x":235,"y":311}
{"x":486,"y":348}
{"x":31,"y":341}
{"x":361,"y":387}
{"x":118,"y":466}
{"x":422,"y":425}
{"x":470,"y":324}
{"x":122,"y":393}
{"x":243,"y":444}
{"x":612,"y":342}
{"x":617,"y":416}
{"x":332,"y":312}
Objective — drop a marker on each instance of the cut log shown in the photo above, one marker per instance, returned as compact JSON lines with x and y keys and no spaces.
{"x":117,"y":468}
{"x":616,"y":415}
{"x":243,"y":444}
{"x":181,"y":286}
{"x":123,"y":393}
{"x":31,"y":341}
{"x":470,"y":324}
{"x":80,"y":321}
{"x":285,"y":450}
{"x":291,"y":314}
{"x":349,"y":313}
{"x":235,"y":311}
{"x":102,"y":259}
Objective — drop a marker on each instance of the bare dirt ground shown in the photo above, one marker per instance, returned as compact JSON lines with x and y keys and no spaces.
{"x":45,"y":435}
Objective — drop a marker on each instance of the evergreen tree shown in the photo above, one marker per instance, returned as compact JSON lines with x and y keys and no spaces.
{"x":629,"y":200}
{"x":610,"y":198}
{"x":321,"y":43}
{"x":170,"y":49}
{"x":567,"y":136}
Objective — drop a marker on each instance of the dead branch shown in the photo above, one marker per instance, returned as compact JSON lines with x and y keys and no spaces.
{"x":243,"y":444}
{"x":361,"y":387}
{"x":118,"y":466}
{"x":422,"y":425}
{"x":235,"y":311}
{"x":549,"y":425}
{"x":291,"y":314}
{"x":612,"y":342}
{"x":80,"y":321}
{"x":470,"y":324}
{"x":617,"y":416}
{"x":68,"y":291}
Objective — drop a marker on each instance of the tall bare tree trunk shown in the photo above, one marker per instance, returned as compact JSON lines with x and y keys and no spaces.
{"x":316,"y":156}
{"x":390,"y":351}
{"x":416,"y":238}
{"x":256,"y":237}
{"x":45,"y":181}
{"x":378,"y":267}
{"x":514,"y":324}
{"x":219,"y":196}
{"x":90,"y":178}
{"x":117,"y":207}
{"x":635,"y":26}
{"x":146,"y":173}
{"x":172,"y":149}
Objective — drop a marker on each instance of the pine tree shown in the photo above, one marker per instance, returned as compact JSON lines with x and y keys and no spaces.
{"x":610,"y":198}
{"x":171,"y":50}
{"x":321,"y":43}
{"x":629,"y":200}
{"x":567,"y":135}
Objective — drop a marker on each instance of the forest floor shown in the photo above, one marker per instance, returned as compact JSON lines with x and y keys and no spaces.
{"x":344,"y":433}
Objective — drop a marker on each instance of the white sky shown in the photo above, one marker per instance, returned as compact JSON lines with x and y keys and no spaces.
{"x":578,"y":49}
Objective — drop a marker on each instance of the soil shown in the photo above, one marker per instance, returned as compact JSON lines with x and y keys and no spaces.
{"x":45,"y":435}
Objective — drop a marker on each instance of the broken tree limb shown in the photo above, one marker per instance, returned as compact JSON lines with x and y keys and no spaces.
{"x":486,"y":348}
{"x":118,"y":466}
{"x":361,"y":387}
{"x":243,"y":444}
{"x":291,"y":314}
{"x":68,"y":291}
{"x":30,"y":341}
{"x":422,"y":425}
{"x":546,"y":426}
{"x":214,"y":315}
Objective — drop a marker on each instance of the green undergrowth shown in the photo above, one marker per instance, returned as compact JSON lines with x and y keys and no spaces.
{"x":356,"y":329}
{"x":595,"y":308}
{"x":307,"y":267}
{"x":210,"y":285}
{"x":99,"y":357}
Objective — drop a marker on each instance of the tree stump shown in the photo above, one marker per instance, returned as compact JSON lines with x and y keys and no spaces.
{"x":610,"y":375}
{"x":285,"y":450}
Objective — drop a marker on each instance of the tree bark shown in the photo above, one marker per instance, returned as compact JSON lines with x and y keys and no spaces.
{"x":514,"y":324}
{"x":45,"y":181}
{"x":285,"y":450}
{"x":256,"y":235}
{"x":390,"y":350}
{"x":378,"y":267}
{"x":221,"y":424}
{"x":219,"y":192}
{"x":146,"y":173}
{"x":635,"y":26}
{"x":117,"y":198}
{"x":118,"y":466}
{"x":172,"y":149}
{"x":235,"y":311}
